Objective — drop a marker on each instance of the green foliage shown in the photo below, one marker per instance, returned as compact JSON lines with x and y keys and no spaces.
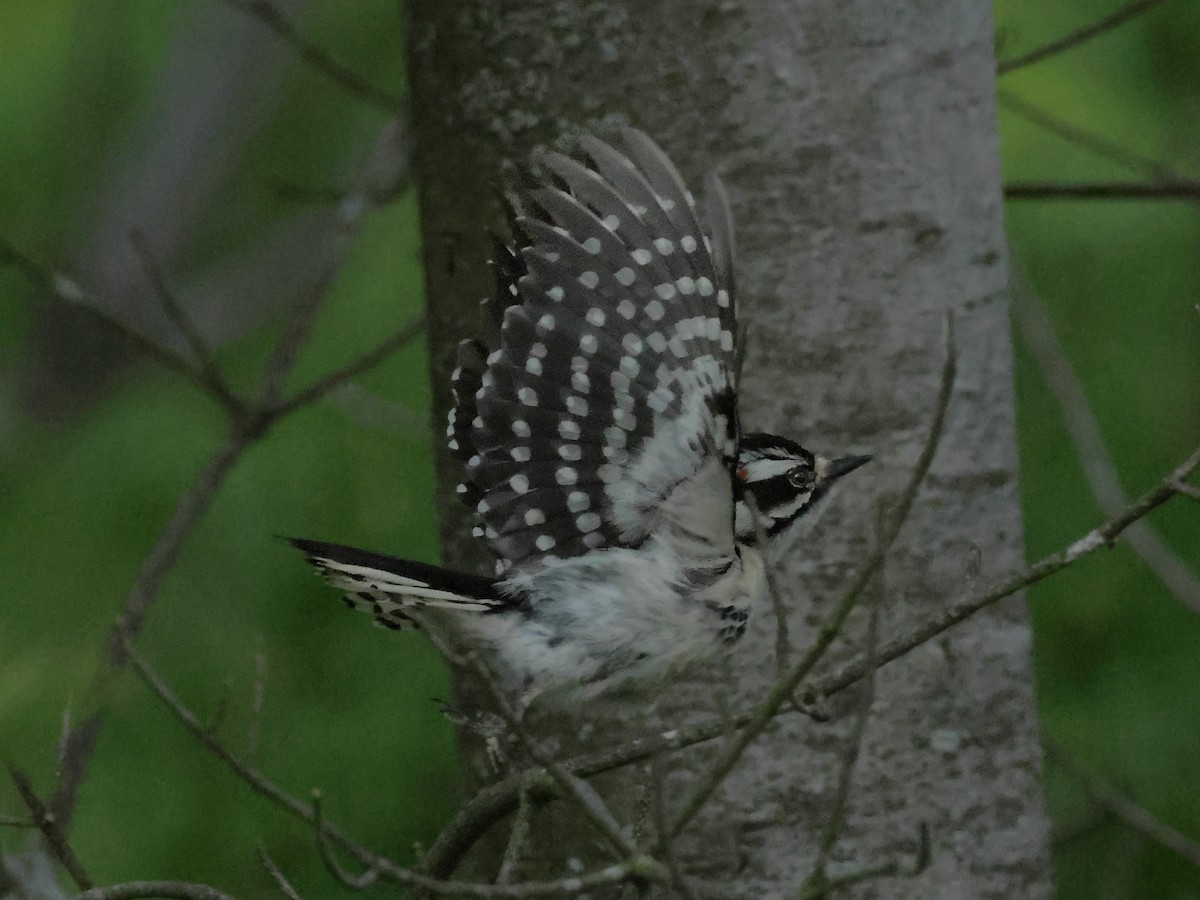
{"x":1118,"y":658}
{"x":348,"y":708}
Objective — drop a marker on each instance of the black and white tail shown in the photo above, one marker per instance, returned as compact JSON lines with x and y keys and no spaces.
{"x":388,"y":587}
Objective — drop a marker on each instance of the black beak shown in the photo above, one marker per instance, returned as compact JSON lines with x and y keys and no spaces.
{"x":844,"y":466}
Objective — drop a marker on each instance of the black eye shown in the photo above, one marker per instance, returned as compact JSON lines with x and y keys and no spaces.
{"x":800,"y":477}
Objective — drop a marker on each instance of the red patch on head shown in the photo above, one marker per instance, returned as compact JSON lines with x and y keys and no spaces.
{"x":743,"y":474}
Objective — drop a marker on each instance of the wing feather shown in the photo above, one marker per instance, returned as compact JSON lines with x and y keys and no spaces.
{"x":603,"y":409}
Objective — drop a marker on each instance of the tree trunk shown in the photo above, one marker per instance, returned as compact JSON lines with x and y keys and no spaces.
{"x":858,"y":143}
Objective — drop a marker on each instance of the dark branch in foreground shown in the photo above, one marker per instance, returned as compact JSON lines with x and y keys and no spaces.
{"x":1114,"y":190}
{"x":1075,"y":38}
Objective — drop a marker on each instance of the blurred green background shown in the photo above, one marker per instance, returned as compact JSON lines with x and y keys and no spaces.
{"x":92,"y":458}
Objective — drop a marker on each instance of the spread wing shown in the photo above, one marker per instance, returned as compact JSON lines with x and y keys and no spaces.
{"x":602,"y":408}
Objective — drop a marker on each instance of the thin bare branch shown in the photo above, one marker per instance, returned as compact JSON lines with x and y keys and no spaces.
{"x":1111,"y":190}
{"x":173,"y":890}
{"x":48,"y":825}
{"x":1102,"y":536}
{"x":277,"y":875}
{"x":353,"y":882}
{"x":638,"y":868}
{"x":192,"y":505}
{"x":818,"y":889}
{"x":273,"y":18}
{"x":1037,"y":331}
{"x":852,"y":751}
{"x":250,"y":775}
{"x":1075,"y":38}
{"x":783,"y":688}
{"x":518,"y":840}
{"x":210,"y":372}
{"x":388,"y":159}
{"x":14,"y":822}
{"x":71,"y":292}
{"x":246,"y":426}
{"x":1136,"y":817}
{"x":662,"y":829}
{"x":79,"y":745}
{"x":589,"y":802}
{"x":360,"y":366}
{"x":167,"y":547}
{"x":1086,"y":139}
{"x":1187,"y":490}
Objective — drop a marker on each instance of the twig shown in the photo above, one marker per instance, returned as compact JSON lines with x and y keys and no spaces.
{"x":1136,"y":817}
{"x":277,"y":874}
{"x":48,"y":825}
{"x":889,"y":868}
{"x":1075,"y":38}
{"x":169,"y":543}
{"x":346,"y":223}
{"x":14,"y":822}
{"x":783,"y":688}
{"x":193,"y":503}
{"x":363,"y":364}
{"x":518,"y":840}
{"x":638,"y":868}
{"x":1112,"y":190}
{"x":273,"y":18}
{"x":1086,"y":139}
{"x":851,"y":753}
{"x":1187,"y":490}
{"x":590,"y":803}
{"x":662,"y":829}
{"x":1102,"y":536}
{"x":210,"y":372}
{"x":1037,"y":331}
{"x":250,"y":775}
{"x":167,"y":547}
{"x":340,"y":875}
{"x":69,"y":291}
{"x":174,"y":890}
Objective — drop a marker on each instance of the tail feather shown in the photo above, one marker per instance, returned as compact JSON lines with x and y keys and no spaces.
{"x":387,"y":586}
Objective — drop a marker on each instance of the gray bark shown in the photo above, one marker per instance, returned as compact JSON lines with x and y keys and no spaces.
{"x":858,"y":143}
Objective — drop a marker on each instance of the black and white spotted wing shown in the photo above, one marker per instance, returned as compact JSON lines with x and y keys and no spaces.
{"x":611,"y":383}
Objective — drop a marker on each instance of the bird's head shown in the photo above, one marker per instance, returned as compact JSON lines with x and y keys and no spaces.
{"x":784,"y":480}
